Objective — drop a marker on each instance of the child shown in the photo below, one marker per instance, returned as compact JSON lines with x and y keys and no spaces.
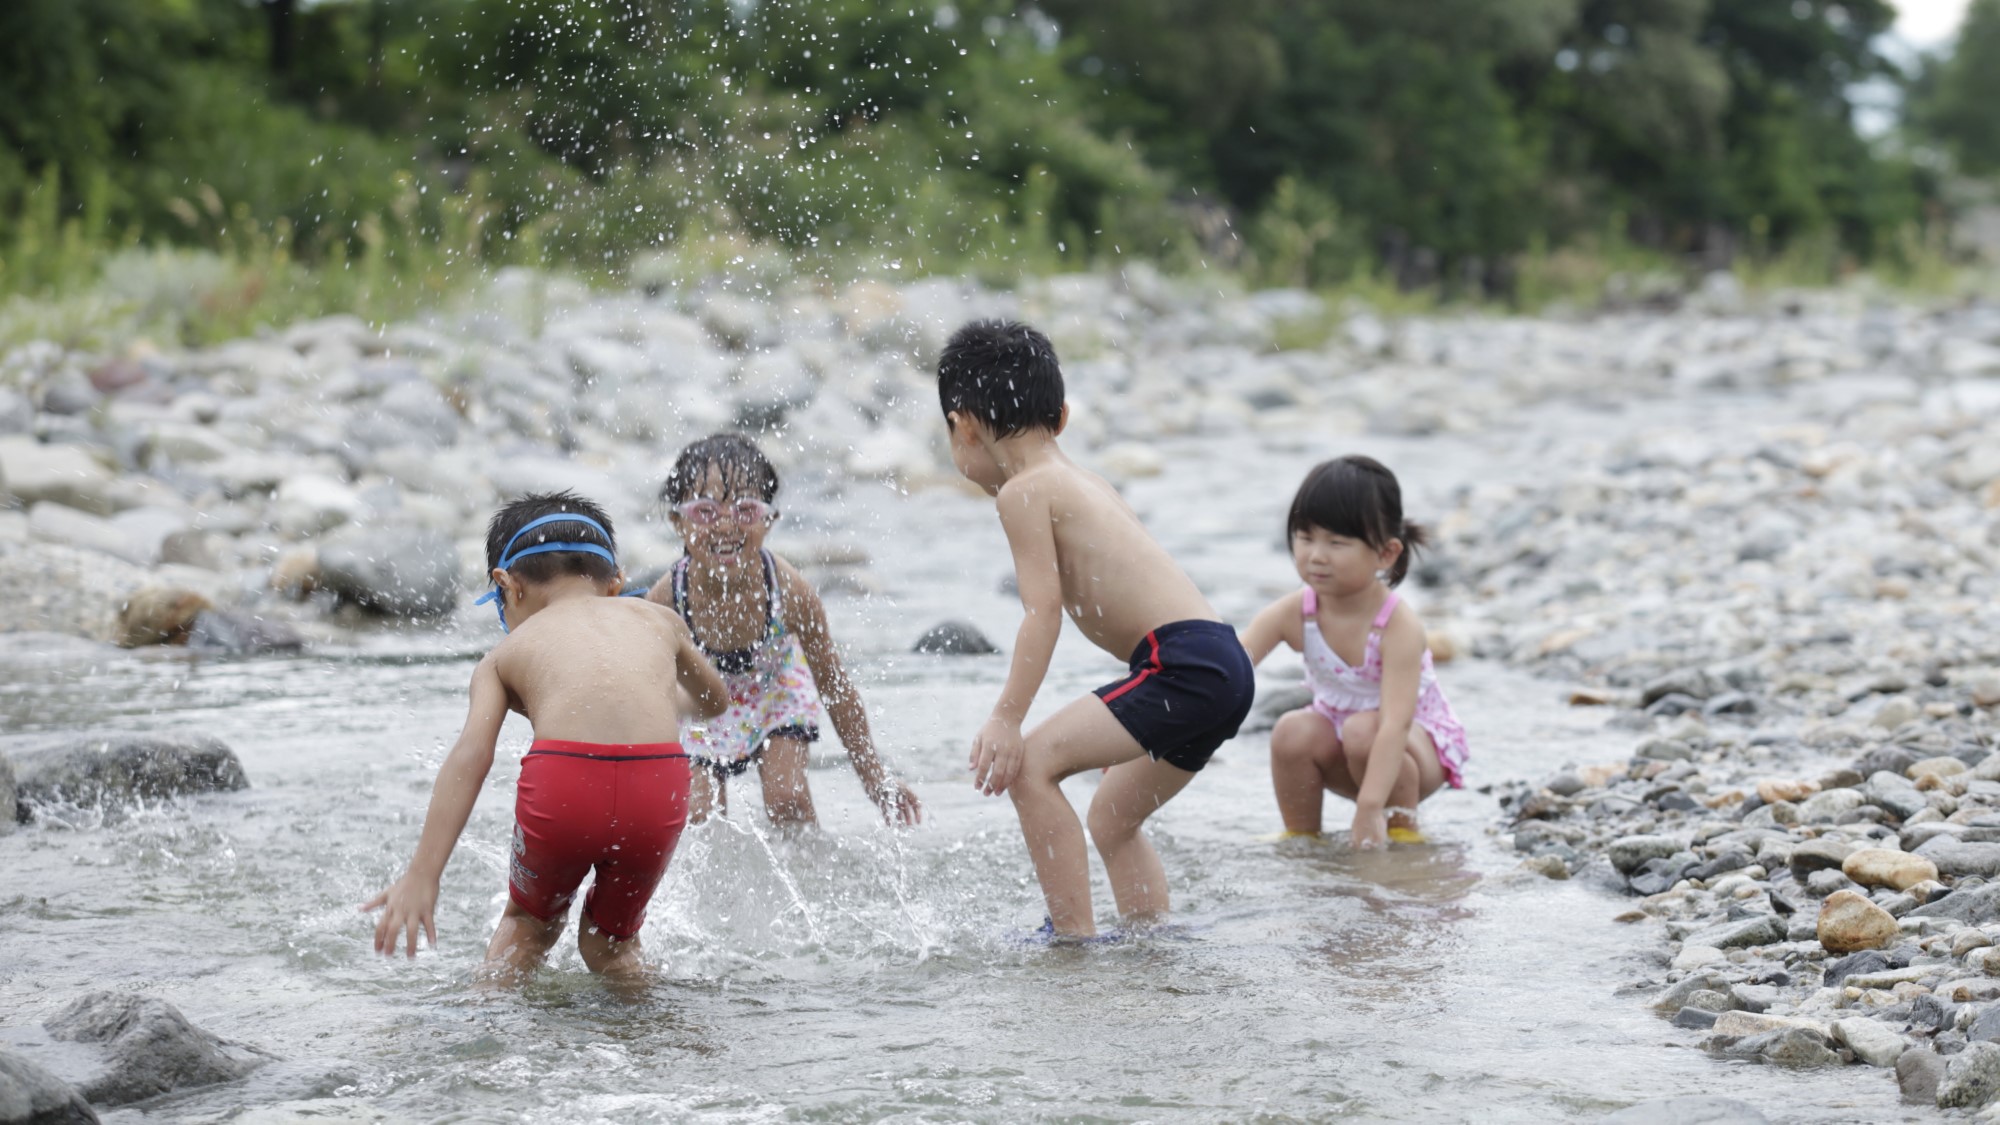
{"x":763,"y":625}
{"x":1379,"y":731}
{"x":604,"y":785}
{"x":1079,"y":548}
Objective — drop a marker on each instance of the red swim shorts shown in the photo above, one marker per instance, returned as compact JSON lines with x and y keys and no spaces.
{"x":617,"y":808}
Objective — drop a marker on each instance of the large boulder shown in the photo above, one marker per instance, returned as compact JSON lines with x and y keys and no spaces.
{"x":54,"y":589}
{"x":144,"y":1048}
{"x":112,"y":770}
{"x":397,"y":572}
{"x":1976,"y":906}
{"x":30,"y":1095}
{"x":1971,"y":1077}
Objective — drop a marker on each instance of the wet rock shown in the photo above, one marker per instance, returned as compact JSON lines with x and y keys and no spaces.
{"x":1849,"y":923}
{"x":1985,"y":1027}
{"x":1630,"y":853}
{"x":1971,"y":1078}
{"x":1741,"y":933}
{"x":954,"y":638}
{"x":1893,"y":792}
{"x":1824,"y":808}
{"x":1734,"y":859}
{"x":1871,"y":1042}
{"x":242,"y":633}
{"x":158,"y":615}
{"x":60,"y":474}
{"x":1694,"y":1019}
{"x":396,"y":572}
{"x":1828,"y":880}
{"x":1548,"y":866}
{"x":1689,"y":1110}
{"x":114,"y":770}
{"x":1794,"y":1047}
{"x":1657,"y":875}
{"x":1676,"y":997}
{"x":1692,"y":682}
{"x":1919,"y":1073}
{"x":30,"y":1095}
{"x":1883,"y":867}
{"x":146,"y":1048}
{"x":1958,"y":858}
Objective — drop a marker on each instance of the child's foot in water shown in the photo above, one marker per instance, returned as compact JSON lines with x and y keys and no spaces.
{"x":1400,"y":835}
{"x":1046,"y":934}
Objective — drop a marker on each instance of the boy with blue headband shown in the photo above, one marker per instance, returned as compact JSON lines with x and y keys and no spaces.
{"x":605,"y":785}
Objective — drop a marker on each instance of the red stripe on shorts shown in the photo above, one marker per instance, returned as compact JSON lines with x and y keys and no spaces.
{"x":1152,"y":666}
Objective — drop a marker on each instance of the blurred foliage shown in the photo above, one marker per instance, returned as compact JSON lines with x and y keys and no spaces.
{"x":1493,"y":147}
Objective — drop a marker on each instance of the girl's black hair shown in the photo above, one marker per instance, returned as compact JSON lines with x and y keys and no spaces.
{"x":1357,"y":497}
{"x":743,"y":466}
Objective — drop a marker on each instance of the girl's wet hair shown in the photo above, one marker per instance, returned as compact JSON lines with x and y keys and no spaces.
{"x":1357,"y":497}
{"x":743,"y":467}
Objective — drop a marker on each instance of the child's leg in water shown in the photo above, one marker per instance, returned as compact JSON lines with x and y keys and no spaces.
{"x":783,"y":768}
{"x":706,"y":793}
{"x":1082,"y":736}
{"x":1128,"y":795}
{"x":618,"y":961}
{"x":1419,"y":774}
{"x":519,"y":944}
{"x":1306,"y":760}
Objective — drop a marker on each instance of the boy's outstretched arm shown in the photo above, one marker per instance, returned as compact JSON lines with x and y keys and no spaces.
{"x":1275,"y":623}
{"x":998,"y":748}
{"x":412,"y":899}
{"x":698,"y":678}
{"x":807,"y":613}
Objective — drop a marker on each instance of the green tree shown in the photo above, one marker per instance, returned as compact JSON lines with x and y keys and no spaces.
{"x":1962,"y":104}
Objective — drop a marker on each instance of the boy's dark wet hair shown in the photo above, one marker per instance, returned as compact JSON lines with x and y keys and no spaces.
{"x":551,"y":565}
{"x":1357,"y":497}
{"x":743,"y":466}
{"x":1003,"y":373}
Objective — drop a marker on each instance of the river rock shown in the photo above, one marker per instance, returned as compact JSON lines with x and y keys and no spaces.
{"x":30,"y":1095}
{"x":1795,"y":1047}
{"x":1825,"y":808}
{"x":1975,"y":906}
{"x":1971,"y":1077}
{"x":1849,"y":923}
{"x":1692,"y":682}
{"x":1894,"y":792}
{"x":954,"y":638}
{"x":61,"y":474}
{"x":1919,"y":1073}
{"x":54,"y":589}
{"x":1630,"y":853}
{"x":1871,"y":1041}
{"x":1885,"y":867}
{"x":241,"y":633}
{"x":7,"y":795}
{"x":1958,"y":858}
{"x":146,"y":1048}
{"x":1740,"y":933}
{"x":1819,"y":855}
{"x":115,"y":769}
{"x":158,"y":615}
{"x":1689,"y":1110}
{"x":397,"y":572}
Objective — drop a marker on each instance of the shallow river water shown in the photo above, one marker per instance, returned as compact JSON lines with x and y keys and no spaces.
{"x":861,"y":974}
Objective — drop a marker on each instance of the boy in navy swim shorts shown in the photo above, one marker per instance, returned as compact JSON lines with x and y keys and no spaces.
{"x":1079,"y":548}
{"x":604,"y":788}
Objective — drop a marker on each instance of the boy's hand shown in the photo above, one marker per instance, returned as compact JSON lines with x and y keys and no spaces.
{"x":997,"y":751}
{"x":899,"y":806}
{"x":1370,"y":831}
{"x":412,"y":904}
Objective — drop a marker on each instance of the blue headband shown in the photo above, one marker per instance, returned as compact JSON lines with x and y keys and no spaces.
{"x":509,"y":556}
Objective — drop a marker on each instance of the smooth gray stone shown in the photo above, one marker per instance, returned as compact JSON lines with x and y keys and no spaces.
{"x":1974,"y":905}
{"x":1919,"y":1073}
{"x":1766,"y":930}
{"x":955,"y":638}
{"x":114,"y":769}
{"x":396,"y":572}
{"x":30,"y":1095}
{"x":1696,"y":1109}
{"x":1630,"y":853}
{"x":148,"y":1048}
{"x":1971,"y":1077}
{"x":1959,"y":858}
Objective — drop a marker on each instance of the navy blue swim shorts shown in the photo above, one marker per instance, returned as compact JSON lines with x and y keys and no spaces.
{"x":1189,"y":692}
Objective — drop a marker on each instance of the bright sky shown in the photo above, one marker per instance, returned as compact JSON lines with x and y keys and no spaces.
{"x":1928,"y":23}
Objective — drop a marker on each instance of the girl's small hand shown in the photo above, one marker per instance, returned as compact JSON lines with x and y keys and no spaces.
{"x":997,"y":751}
{"x":1370,"y":831}
{"x":410,"y":909}
{"x":899,"y":806}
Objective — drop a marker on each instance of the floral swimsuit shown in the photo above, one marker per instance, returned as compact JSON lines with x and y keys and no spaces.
{"x":1341,"y":690}
{"x":771,"y":688}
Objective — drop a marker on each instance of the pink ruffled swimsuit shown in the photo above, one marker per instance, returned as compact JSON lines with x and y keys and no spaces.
{"x":1341,"y":690}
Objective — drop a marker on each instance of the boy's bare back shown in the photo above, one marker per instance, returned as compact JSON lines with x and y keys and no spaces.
{"x":596,"y":670}
{"x":1118,"y":583}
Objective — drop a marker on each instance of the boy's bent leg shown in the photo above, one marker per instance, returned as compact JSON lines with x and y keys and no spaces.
{"x":1082,"y":736}
{"x":783,"y":768}
{"x":520,"y":943}
{"x":705,"y":792}
{"x":1128,"y":795}
{"x":617,"y":960}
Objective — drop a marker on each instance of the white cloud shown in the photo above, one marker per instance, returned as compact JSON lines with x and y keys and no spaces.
{"x":1929,"y":23}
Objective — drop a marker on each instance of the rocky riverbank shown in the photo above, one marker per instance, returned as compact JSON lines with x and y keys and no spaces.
{"x":1787,"y":618}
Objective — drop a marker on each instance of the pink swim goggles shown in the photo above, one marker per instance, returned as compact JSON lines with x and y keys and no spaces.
{"x":708,"y":513}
